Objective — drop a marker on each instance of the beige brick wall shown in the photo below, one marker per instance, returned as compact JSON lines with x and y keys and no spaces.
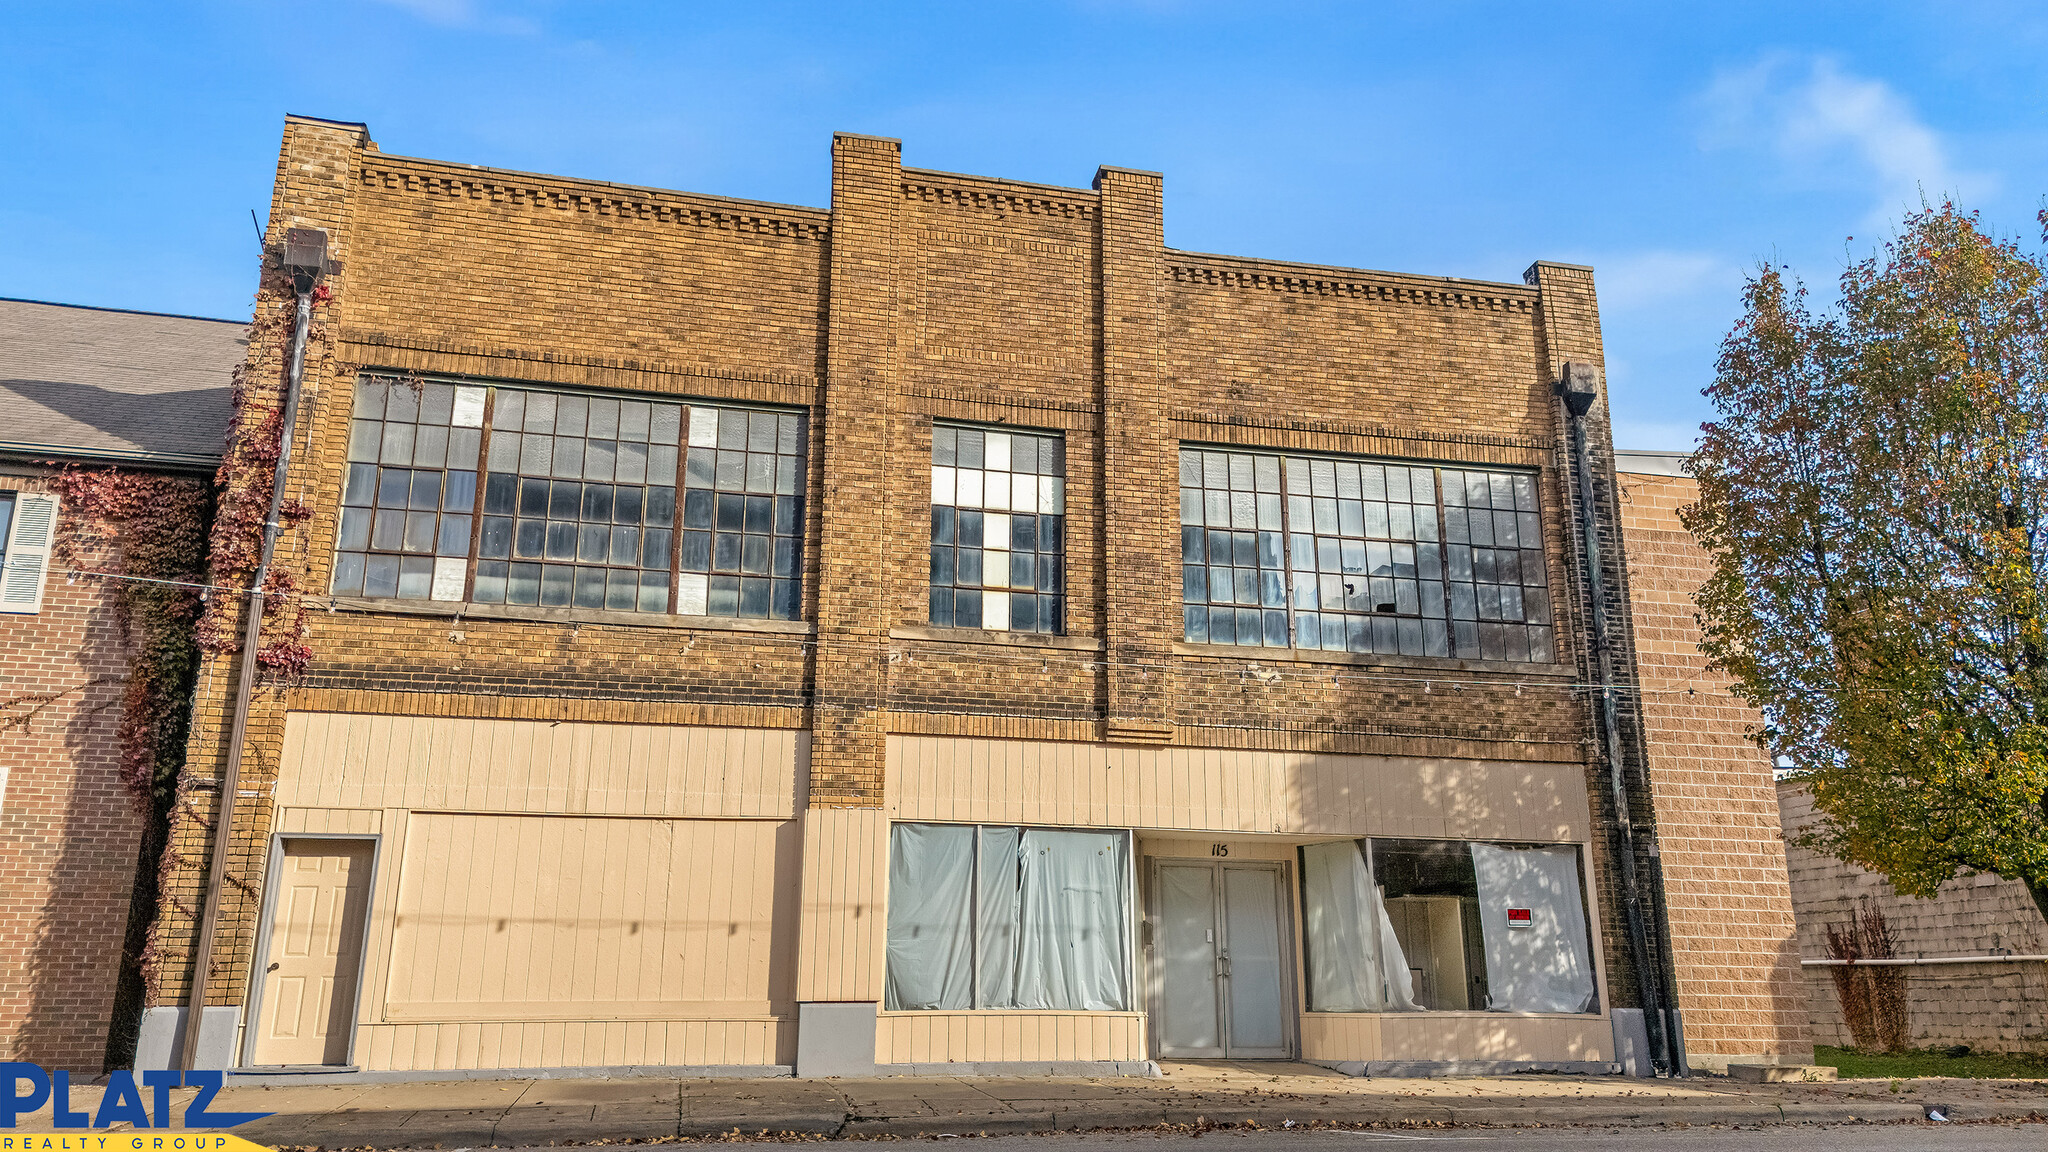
{"x":1733,"y":936}
{"x":1996,"y":1006}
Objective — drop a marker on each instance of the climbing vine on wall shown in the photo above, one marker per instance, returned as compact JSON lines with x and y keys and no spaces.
{"x":148,"y":527}
{"x":247,"y":471}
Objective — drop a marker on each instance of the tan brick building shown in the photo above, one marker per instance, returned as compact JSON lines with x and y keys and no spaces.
{"x":951,"y":628}
{"x":1732,"y":927}
{"x":99,"y":410}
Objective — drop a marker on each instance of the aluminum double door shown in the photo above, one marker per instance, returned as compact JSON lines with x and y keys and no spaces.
{"x":1223,"y":971}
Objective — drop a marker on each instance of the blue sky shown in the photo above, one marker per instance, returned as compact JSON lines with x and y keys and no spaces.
{"x":1670,"y":146}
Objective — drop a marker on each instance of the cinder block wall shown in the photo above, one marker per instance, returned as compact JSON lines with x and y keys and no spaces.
{"x":70,"y":833}
{"x":1731,"y":909}
{"x":1999,"y":1006}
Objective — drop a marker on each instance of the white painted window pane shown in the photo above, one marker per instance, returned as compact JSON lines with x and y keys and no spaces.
{"x":448,"y":577}
{"x":692,"y":593}
{"x":996,"y":490}
{"x":995,"y":530}
{"x":1052,"y":495}
{"x":942,"y":484}
{"x":995,"y":565}
{"x":703,"y":427}
{"x":968,"y":487}
{"x":469,"y":407}
{"x":1023,"y":492}
{"x":995,"y":608}
{"x":996,"y":455}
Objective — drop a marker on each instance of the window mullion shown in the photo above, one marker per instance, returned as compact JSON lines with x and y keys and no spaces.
{"x":974,"y":922}
{"x":1287,"y":560}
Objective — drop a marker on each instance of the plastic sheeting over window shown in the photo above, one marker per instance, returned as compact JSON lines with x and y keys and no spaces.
{"x":1349,"y":934}
{"x":1414,"y":925}
{"x":1001,"y":917}
{"x":1543,"y":965}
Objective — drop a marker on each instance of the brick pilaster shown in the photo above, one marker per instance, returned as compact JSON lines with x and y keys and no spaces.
{"x":1140,"y":537}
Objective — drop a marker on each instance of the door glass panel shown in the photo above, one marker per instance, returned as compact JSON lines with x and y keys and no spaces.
{"x":1251,"y":904}
{"x":1187,"y":950}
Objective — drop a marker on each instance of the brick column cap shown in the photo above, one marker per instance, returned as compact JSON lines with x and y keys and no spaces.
{"x":1107,"y":170}
{"x":1529,"y":275}
{"x":301,"y":118}
{"x":889,"y":140}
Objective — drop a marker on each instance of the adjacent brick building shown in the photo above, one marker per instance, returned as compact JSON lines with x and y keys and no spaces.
{"x":951,"y":628}
{"x":1732,"y":922}
{"x":110,"y":406}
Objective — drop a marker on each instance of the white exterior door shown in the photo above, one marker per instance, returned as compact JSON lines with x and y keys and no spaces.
{"x":1223,"y":981}
{"x":316,"y":946}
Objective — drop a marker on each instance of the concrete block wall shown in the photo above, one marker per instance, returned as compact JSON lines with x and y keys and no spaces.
{"x":1998,"y":1006}
{"x":1731,"y":910}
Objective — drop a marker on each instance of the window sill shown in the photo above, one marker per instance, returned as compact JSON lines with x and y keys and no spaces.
{"x":450,"y":609}
{"x":997,"y":639}
{"x":1461,"y":1013}
{"x":1368,"y":659}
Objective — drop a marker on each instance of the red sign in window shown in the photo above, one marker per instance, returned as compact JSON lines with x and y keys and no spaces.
{"x":1518,"y":918}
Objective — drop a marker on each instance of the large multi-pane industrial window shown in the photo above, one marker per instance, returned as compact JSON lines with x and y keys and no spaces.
{"x":998,"y":529}
{"x":521,"y":496}
{"x":1361,"y":556}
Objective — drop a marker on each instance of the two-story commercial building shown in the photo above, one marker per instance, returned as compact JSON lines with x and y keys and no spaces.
{"x":947,"y":628}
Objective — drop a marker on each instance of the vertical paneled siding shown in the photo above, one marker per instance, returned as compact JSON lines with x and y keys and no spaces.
{"x":562,"y":895}
{"x":588,"y":918}
{"x":1232,"y":790}
{"x":343,"y":760}
{"x":952,"y":1037}
{"x":844,"y":927}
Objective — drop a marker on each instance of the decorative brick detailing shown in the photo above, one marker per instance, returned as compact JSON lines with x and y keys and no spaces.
{"x":429,"y":178}
{"x":1335,"y":282}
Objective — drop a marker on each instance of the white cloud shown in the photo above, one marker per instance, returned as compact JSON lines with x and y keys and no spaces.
{"x":1815,"y":117}
{"x":1631,"y":280}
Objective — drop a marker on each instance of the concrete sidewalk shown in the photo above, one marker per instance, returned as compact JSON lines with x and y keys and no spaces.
{"x":474,"y":1113}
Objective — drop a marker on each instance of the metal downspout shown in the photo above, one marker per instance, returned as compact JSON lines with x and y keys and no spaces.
{"x":305,"y":258}
{"x":1577,"y":389}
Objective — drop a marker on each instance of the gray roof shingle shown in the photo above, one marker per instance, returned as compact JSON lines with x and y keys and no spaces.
{"x":95,"y":383}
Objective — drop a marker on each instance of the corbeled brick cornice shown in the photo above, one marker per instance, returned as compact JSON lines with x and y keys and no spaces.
{"x":1274,"y":276}
{"x":1006,"y":196}
{"x":597,"y":198}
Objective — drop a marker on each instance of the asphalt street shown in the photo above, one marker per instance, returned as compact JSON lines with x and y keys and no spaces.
{"x":1860,"y":1137}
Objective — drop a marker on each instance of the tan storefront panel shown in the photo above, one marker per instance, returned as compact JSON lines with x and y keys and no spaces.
{"x":1229,"y":790}
{"x":939,"y":1037}
{"x":347,"y":760}
{"x":1494,"y":1036}
{"x":845,"y":862}
{"x":578,"y":919}
{"x":587,"y":1044}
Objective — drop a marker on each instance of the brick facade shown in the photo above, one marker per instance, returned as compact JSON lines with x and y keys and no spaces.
{"x":71,"y":833}
{"x":918,"y":296}
{"x":1724,"y":863}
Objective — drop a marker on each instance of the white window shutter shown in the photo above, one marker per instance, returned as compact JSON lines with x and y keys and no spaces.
{"x":28,"y":553}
